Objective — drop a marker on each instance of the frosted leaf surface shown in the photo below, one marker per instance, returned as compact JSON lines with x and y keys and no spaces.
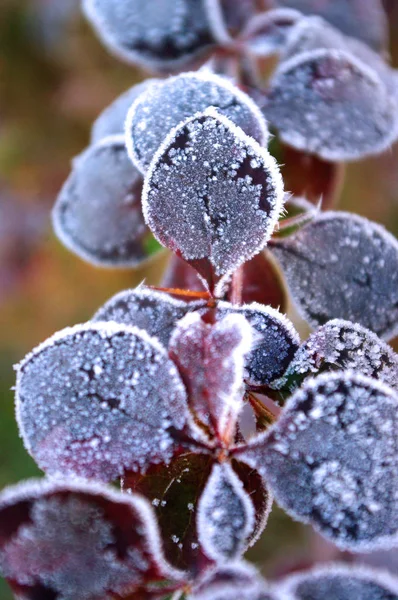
{"x":155,"y":312}
{"x":266,"y":34}
{"x":165,"y":105}
{"x":173,"y":34}
{"x":340,"y":582}
{"x":98,"y":399}
{"x":210,"y":359}
{"x":228,"y":17}
{"x":344,"y":345}
{"x":331,"y":459}
{"x":346,"y":267}
{"x":111,"y":121}
{"x":208,"y":186}
{"x":235,"y":581}
{"x":362,"y":19}
{"x":225,"y":516}
{"x":98,"y":213}
{"x":331,"y":104}
{"x":75,"y":540}
{"x":275,"y":341}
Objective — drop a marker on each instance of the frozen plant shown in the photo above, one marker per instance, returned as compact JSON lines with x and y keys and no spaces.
{"x":198,"y":398}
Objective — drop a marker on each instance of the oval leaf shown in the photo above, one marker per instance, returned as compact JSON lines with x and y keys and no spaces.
{"x":266,"y":34}
{"x":329,"y":103}
{"x":228,"y":17}
{"x":98,"y":213}
{"x":98,"y":399}
{"x":235,"y":581}
{"x":331,"y":459}
{"x":208,"y":186}
{"x":77,"y":540}
{"x":172,"y":35}
{"x":165,"y":105}
{"x":346,"y":267}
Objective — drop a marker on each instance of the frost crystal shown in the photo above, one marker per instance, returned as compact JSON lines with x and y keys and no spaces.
{"x":69,"y":541}
{"x":165,"y":105}
{"x":331,"y":459}
{"x":155,"y":312}
{"x":97,"y":399}
{"x":275,"y":341}
{"x":98,"y":213}
{"x":344,"y":345}
{"x":346,"y":267}
{"x":208,"y":186}
{"x":340,"y":582}
{"x":210,"y":358}
{"x":111,"y":121}
{"x":329,"y":103}
{"x":176,"y":32}
{"x":225,"y":515}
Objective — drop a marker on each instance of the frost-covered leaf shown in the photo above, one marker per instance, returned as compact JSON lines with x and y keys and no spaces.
{"x":228,"y":17}
{"x":69,"y":540}
{"x":155,"y":312}
{"x":343,"y":266}
{"x":98,"y":213}
{"x":362,"y":19}
{"x":343,"y":345}
{"x":166,"y":38}
{"x":329,"y":103}
{"x":266,"y":33}
{"x":210,"y":358}
{"x":225,"y":518}
{"x":180,"y":275}
{"x":165,"y":105}
{"x":235,"y":581}
{"x":213,"y":196}
{"x":112,"y":120}
{"x":340,"y":582}
{"x":275,"y":341}
{"x":98,"y":399}
{"x":331,"y":459}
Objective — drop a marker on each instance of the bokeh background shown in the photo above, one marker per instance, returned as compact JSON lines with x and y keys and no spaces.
{"x":55,"y":78}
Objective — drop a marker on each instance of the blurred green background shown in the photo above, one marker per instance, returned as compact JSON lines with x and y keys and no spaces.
{"x":54,"y":79}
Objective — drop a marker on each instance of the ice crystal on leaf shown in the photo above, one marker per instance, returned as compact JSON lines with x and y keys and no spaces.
{"x":225,"y":515}
{"x":339,"y":582}
{"x":343,"y":266}
{"x":172,"y":35}
{"x":329,"y":103}
{"x":210,"y":359}
{"x":331,"y":459}
{"x":212,"y":195}
{"x":344,"y":345}
{"x":76,"y":540}
{"x":164,"y":106}
{"x":98,"y":213}
{"x":97,"y":399}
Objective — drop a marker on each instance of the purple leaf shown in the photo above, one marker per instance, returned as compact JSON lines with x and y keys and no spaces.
{"x":98,"y":213}
{"x":266,"y":34}
{"x":228,"y":17}
{"x":213,"y":196}
{"x":235,"y":581}
{"x":98,"y":399}
{"x":343,"y":266}
{"x":72,"y":540}
{"x":165,"y":105}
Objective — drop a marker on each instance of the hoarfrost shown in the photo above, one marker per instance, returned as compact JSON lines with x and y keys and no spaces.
{"x":210,"y":358}
{"x":155,"y":312}
{"x":98,"y":399}
{"x":111,"y":121}
{"x":98,"y":213}
{"x":329,"y":103}
{"x":346,"y":267}
{"x":340,"y":582}
{"x":165,"y":105}
{"x":275,"y":341}
{"x":331,"y":459}
{"x":166,"y":38}
{"x":344,"y":345}
{"x":65,"y":540}
{"x":208,"y":186}
{"x":225,"y":516}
